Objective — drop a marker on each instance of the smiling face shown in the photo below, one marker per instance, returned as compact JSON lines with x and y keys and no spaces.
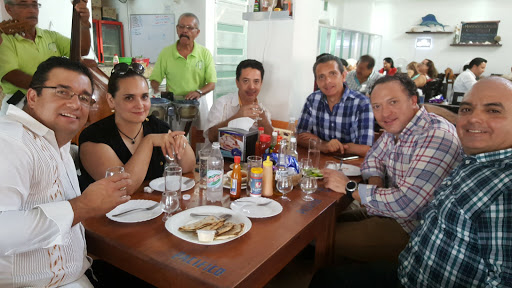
{"x":29,"y":13}
{"x":329,"y":79}
{"x":249,"y":85}
{"x":392,"y":107}
{"x":131,"y":101}
{"x":485,"y":117}
{"x":64,"y":116}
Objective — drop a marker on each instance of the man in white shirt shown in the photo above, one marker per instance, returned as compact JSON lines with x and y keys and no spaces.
{"x":468,"y":78}
{"x":42,"y":242}
{"x":363,"y":78}
{"x":249,"y":78}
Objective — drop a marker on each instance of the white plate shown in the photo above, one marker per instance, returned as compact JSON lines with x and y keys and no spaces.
{"x":350,"y":170}
{"x":184,"y":218}
{"x":248,"y":207}
{"x":227,"y":183}
{"x":135,"y":216}
{"x":158,"y":184}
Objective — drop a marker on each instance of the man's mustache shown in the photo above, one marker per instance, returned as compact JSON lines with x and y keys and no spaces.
{"x":186,"y":36}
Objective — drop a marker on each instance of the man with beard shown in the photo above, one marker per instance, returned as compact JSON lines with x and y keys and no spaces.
{"x":188,"y":67}
{"x":20,"y":54}
{"x":249,"y":78}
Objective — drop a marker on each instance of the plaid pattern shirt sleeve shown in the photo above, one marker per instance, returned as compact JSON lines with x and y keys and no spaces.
{"x":363,"y":132}
{"x":466,"y":237}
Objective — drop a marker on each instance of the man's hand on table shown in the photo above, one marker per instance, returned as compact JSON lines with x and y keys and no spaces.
{"x":193,"y":95}
{"x":332,"y":146}
{"x":101,"y":197}
{"x":335,"y":180}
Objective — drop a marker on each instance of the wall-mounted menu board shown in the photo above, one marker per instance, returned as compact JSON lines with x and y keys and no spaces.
{"x":479,"y":32}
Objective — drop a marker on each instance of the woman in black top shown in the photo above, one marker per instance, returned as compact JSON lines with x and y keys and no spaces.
{"x":129,"y":137}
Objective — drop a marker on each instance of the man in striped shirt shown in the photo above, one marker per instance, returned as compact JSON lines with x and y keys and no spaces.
{"x":403,"y":168}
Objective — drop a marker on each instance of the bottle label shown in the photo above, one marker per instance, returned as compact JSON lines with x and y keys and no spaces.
{"x":214,"y":178}
{"x":256,"y":185}
{"x":232,"y":191}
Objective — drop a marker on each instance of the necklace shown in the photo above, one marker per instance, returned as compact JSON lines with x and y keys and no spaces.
{"x":133,"y":139}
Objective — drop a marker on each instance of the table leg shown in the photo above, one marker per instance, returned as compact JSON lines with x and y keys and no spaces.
{"x":325,"y":242}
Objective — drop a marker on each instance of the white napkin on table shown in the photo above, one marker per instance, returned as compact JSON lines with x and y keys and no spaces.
{"x":244,"y":123}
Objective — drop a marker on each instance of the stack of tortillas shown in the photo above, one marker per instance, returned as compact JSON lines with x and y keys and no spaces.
{"x":224,"y":230}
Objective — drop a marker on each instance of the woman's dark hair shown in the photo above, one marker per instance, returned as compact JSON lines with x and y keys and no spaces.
{"x":113,"y":82}
{"x":249,"y":63}
{"x":390,"y":61}
{"x":432,"y":71}
{"x":41,"y":75}
{"x":407,"y":84}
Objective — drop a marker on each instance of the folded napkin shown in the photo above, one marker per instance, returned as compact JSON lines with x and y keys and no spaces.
{"x":244,"y":123}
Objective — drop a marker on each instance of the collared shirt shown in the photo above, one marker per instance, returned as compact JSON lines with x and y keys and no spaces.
{"x":365,"y":87}
{"x":18,"y":53}
{"x":464,"y":81}
{"x":465,"y":239}
{"x":184,"y":75}
{"x":351,"y":119}
{"x":224,"y":108}
{"x":38,"y":245}
{"x":426,"y":151}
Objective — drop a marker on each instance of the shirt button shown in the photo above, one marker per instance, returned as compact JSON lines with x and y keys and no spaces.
{"x":161,"y":163}
{"x":468,"y":161}
{"x":448,"y":182}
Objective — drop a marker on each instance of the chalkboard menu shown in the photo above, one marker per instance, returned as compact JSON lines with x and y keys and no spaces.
{"x":479,"y":32}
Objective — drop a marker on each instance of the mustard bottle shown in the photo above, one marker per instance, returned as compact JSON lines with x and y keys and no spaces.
{"x":268,"y":178}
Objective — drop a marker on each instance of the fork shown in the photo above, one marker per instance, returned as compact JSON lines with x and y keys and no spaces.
{"x":222,"y":216}
{"x":256,"y":204}
{"x":137,"y":209}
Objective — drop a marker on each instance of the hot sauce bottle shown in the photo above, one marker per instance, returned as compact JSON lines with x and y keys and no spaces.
{"x":236,"y":180}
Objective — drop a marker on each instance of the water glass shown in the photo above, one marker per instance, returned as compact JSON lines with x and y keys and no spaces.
{"x":331,"y":165}
{"x":314,"y":152}
{"x":308,"y":185}
{"x":305,"y":163}
{"x":172,"y":192}
{"x":203,"y":166}
{"x":113,"y":171}
{"x":258,"y":110}
{"x":252,"y":162}
{"x":284,"y":185}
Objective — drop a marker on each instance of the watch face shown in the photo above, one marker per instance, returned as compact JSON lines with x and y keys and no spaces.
{"x":351,"y":185}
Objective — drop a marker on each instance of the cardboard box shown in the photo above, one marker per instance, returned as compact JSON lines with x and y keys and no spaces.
{"x":96,"y":3}
{"x":237,"y":142}
{"x":96,"y":13}
{"x":109,"y":12}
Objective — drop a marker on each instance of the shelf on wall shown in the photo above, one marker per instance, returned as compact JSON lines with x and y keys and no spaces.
{"x":428,"y":32}
{"x":478,"y":45}
{"x":264,"y":16}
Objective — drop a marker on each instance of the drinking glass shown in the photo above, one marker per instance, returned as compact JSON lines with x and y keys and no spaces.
{"x":172,"y":192}
{"x":113,"y":171}
{"x":305,"y":163}
{"x":308,"y":185}
{"x":314,"y":152}
{"x":331,"y":165}
{"x":252,"y":162}
{"x":203,"y":166}
{"x":284,"y":185}
{"x":258,"y":110}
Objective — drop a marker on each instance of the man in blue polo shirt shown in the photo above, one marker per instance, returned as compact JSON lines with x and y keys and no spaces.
{"x":340,"y":117}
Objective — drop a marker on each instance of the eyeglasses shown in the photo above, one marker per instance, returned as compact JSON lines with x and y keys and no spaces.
{"x":28,"y":5}
{"x":188,"y":28}
{"x":65,"y":93}
{"x":122,"y":68}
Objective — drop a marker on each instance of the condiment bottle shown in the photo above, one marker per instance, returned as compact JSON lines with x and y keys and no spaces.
{"x":256,"y":181}
{"x":277,"y":147}
{"x":274,"y":141}
{"x":256,"y":6}
{"x":264,"y":145}
{"x":236,"y":180}
{"x":260,"y":132}
{"x":278,"y":7}
{"x":268,"y":178}
{"x":115,"y":60}
{"x":292,"y":151}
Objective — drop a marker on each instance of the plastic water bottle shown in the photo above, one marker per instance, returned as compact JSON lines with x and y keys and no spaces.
{"x":291,"y":126}
{"x":214,"y":174}
{"x":115,"y":60}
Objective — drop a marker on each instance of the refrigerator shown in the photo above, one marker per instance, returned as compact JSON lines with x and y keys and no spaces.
{"x":108,"y":40}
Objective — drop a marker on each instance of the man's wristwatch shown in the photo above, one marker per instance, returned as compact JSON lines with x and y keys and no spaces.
{"x":200,"y":92}
{"x":350,"y":188}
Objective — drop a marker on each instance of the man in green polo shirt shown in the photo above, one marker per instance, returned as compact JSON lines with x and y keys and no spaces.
{"x":188,"y":67}
{"x":20,"y":54}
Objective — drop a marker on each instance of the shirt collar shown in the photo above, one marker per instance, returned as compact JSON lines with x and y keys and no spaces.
{"x":418,"y":121}
{"x":235,"y":100}
{"x":39,"y":34}
{"x":490,"y":156}
{"x":346,"y":94}
{"x":178,"y":55}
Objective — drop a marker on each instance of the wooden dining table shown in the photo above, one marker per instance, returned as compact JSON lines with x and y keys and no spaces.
{"x":150,"y":252}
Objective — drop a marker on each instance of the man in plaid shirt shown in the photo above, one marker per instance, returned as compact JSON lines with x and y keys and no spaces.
{"x":403,"y":168}
{"x":465,"y":239}
{"x":340,"y":117}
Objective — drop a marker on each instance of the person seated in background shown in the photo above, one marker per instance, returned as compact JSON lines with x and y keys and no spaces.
{"x":469,"y":76}
{"x":465,"y":239}
{"x":130,"y":137}
{"x":403,"y":168}
{"x":340,"y":117}
{"x":388,"y":68}
{"x":363,"y":78}
{"x":249,"y":78}
{"x":42,"y":242}
{"x":418,"y":78}
{"x":431,"y":71}
{"x":351,"y":64}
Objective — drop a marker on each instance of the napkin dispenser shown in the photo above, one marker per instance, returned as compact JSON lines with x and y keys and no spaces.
{"x":237,"y":142}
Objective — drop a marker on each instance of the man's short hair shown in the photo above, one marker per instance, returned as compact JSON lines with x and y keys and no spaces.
{"x":188,"y":14}
{"x":249,"y":63}
{"x":369,"y":60}
{"x":41,"y":75}
{"x":476,"y":62}
{"x":405,"y":82}
{"x":326,"y":58}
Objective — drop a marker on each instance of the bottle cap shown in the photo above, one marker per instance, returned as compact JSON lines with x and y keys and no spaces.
{"x":261,"y":128}
{"x":256,"y":170}
{"x":293,"y":140}
{"x":215,"y":145}
{"x":237,"y":159}
{"x":274,"y":133}
{"x":292,"y":119}
{"x":267,"y":162}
